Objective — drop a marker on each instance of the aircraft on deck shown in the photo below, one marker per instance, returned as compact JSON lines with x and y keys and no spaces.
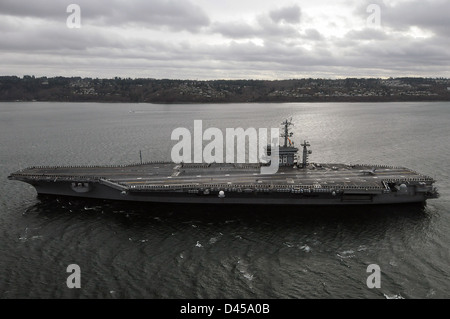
{"x":369,"y":172}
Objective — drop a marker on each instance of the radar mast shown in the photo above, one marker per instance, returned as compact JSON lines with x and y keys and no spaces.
{"x":286,"y":134}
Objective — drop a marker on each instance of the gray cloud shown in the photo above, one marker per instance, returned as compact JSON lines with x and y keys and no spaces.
{"x":176,"y":39}
{"x":266,"y":25}
{"x":368,"y":34}
{"x":39,"y":8}
{"x":264,"y":29}
{"x":426,"y":14}
{"x":313,"y":34}
{"x":289,"y":14}
{"x":174,"y":14}
{"x":429,"y":15}
{"x":235,"y":29}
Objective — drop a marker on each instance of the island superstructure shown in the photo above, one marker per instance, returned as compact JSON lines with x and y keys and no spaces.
{"x":297,"y":182}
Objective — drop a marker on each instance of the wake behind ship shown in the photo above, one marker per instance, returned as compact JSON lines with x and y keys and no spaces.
{"x":295,"y":183}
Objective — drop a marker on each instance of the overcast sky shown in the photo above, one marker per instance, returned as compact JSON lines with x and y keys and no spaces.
{"x":226,"y":39}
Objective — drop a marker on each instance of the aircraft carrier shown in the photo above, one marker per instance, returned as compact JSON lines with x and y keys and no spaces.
{"x":295,"y":183}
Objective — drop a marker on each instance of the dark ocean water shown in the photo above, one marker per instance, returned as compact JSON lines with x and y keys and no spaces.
{"x":157,"y":251}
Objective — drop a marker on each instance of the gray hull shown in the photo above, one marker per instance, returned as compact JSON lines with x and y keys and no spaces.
{"x":99,"y":191}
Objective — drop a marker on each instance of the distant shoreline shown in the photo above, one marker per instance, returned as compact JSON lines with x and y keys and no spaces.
{"x":77,"y":89}
{"x":233,"y":102}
